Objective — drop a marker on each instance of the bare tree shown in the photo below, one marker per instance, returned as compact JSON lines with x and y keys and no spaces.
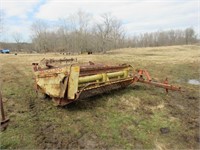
{"x":79,"y":22}
{"x":190,"y":36}
{"x":39,"y":27}
{"x":39,"y":36}
{"x":109,"y":32}
{"x":1,"y":21}
{"x":18,"y":39}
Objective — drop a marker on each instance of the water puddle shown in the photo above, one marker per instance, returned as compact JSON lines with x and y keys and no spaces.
{"x":194,"y":82}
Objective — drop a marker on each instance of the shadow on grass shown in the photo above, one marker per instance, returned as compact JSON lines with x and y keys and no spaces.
{"x":99,"y":100}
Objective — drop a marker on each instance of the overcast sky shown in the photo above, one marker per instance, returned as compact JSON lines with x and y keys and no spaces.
{"x":138,"y":16}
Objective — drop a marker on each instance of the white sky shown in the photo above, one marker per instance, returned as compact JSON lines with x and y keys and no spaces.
{"x":138,"y":16}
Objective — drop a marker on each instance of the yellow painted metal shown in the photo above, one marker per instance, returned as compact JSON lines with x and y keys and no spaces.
{"x":126,"y":73}
{"x":115,"y":74}
{"x":104,"y":76}
{"x":90,"y":78}
{"x":50,"y":81}
{"x":73,"y":82}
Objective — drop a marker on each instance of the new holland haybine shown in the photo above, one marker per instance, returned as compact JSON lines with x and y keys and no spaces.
{"x":66,"y":80}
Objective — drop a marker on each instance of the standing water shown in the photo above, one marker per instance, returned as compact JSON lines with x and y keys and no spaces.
{"x":194,"y":82}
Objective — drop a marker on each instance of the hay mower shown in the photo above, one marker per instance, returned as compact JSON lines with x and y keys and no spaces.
{"x":66,"y":80}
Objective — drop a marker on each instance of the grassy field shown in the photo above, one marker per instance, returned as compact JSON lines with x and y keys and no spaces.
{"x":130,"y":118}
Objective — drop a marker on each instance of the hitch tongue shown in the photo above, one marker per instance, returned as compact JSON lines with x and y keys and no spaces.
{"x":139,"y":78}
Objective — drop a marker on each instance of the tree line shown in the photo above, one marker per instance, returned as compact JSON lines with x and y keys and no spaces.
{"x":80,"y":33}
{"x":164,"y":38}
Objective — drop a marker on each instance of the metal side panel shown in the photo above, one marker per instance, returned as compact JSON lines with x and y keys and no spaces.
{"x":73,"y":82}
{"x":52,"y":81}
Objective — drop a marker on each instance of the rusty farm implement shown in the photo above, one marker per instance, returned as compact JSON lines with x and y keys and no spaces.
{"x":4,"y":120}
{"x":66,"y":80}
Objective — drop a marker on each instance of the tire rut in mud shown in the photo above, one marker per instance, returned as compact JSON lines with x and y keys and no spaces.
{"x":186,"y":108}
{"x":45,"y":136}
{"x":43,"y":133}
